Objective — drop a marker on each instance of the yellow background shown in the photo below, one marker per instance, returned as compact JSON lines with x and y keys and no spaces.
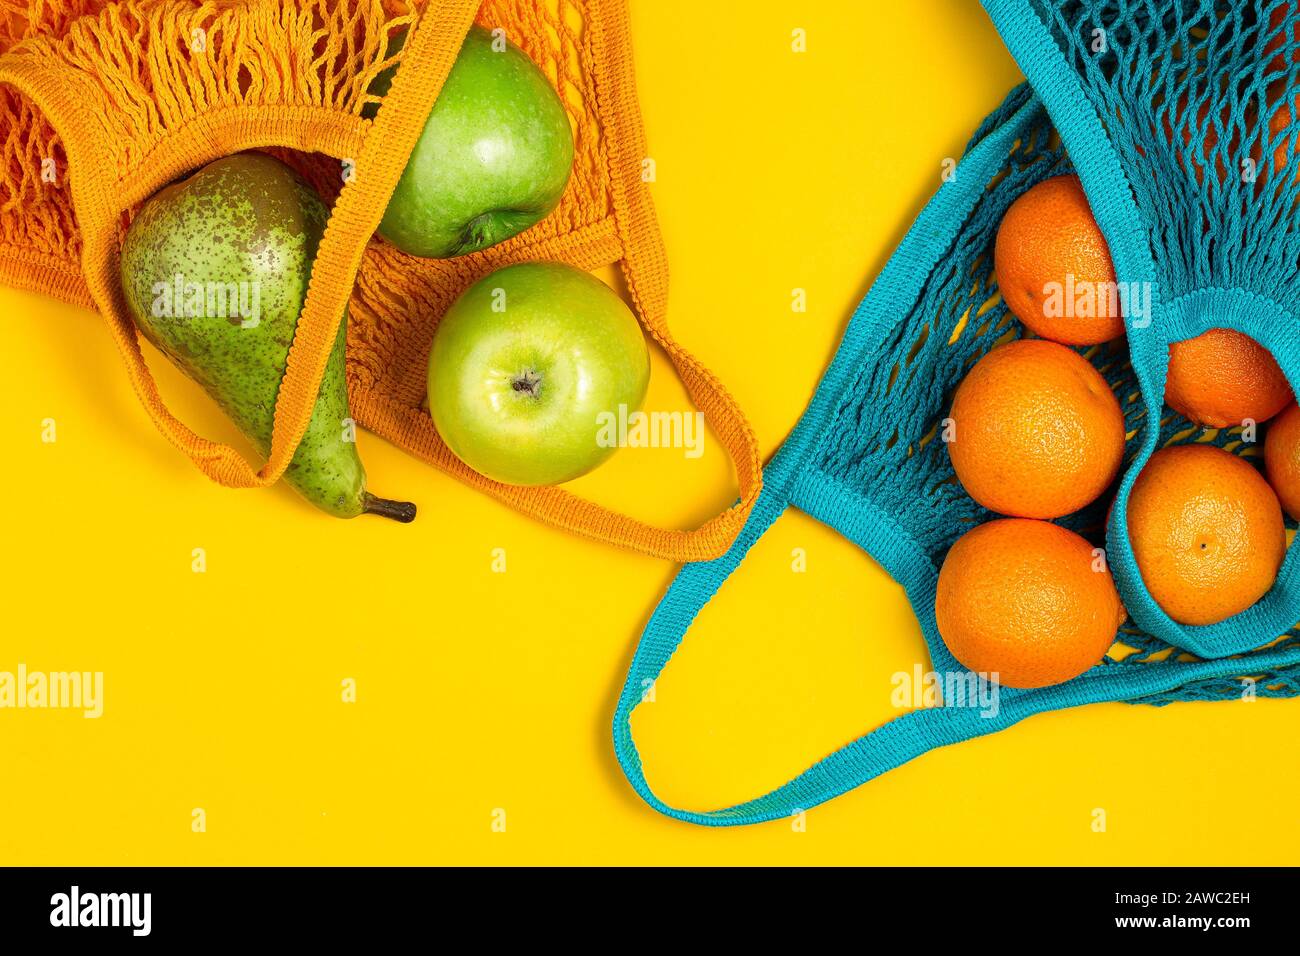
{"x":481,"y":690}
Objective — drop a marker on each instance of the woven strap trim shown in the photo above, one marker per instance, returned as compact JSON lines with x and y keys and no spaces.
{"x":100,"y":192}
{"x":99,"y":199}
{"x":24,"y":268}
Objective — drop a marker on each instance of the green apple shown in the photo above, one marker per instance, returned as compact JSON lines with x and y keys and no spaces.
{"x":493,"y":159}
{"x":525,"y":367}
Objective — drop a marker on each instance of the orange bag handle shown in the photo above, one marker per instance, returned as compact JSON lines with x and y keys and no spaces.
{"x":645,"y":267}
{"x":99,"y":196}
{"x":430,"y":52}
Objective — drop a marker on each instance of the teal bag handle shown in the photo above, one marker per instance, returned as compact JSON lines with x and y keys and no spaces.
{"x":695,"y":585}
{"x":891,"y":746}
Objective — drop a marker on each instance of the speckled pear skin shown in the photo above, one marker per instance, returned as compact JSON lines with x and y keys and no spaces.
{"x":249,"y":222}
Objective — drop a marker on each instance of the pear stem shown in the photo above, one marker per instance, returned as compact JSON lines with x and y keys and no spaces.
{"x":403,"y":511}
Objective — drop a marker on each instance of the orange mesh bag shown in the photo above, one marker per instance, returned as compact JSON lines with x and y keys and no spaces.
{"x":101,"y":104}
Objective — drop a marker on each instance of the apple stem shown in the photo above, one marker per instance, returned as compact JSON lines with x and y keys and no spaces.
{"x":403,"y":511}
{"x":529,"y":382}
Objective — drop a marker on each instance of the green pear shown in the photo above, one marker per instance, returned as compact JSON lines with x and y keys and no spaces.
{"x":493,"y":159}
{"x":215,"y":271}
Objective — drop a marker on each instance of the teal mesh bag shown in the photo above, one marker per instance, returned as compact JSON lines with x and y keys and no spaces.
{"x":1210,"y":226}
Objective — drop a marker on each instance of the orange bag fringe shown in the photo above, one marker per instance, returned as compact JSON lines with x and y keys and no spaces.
{"x":101,"y":104}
